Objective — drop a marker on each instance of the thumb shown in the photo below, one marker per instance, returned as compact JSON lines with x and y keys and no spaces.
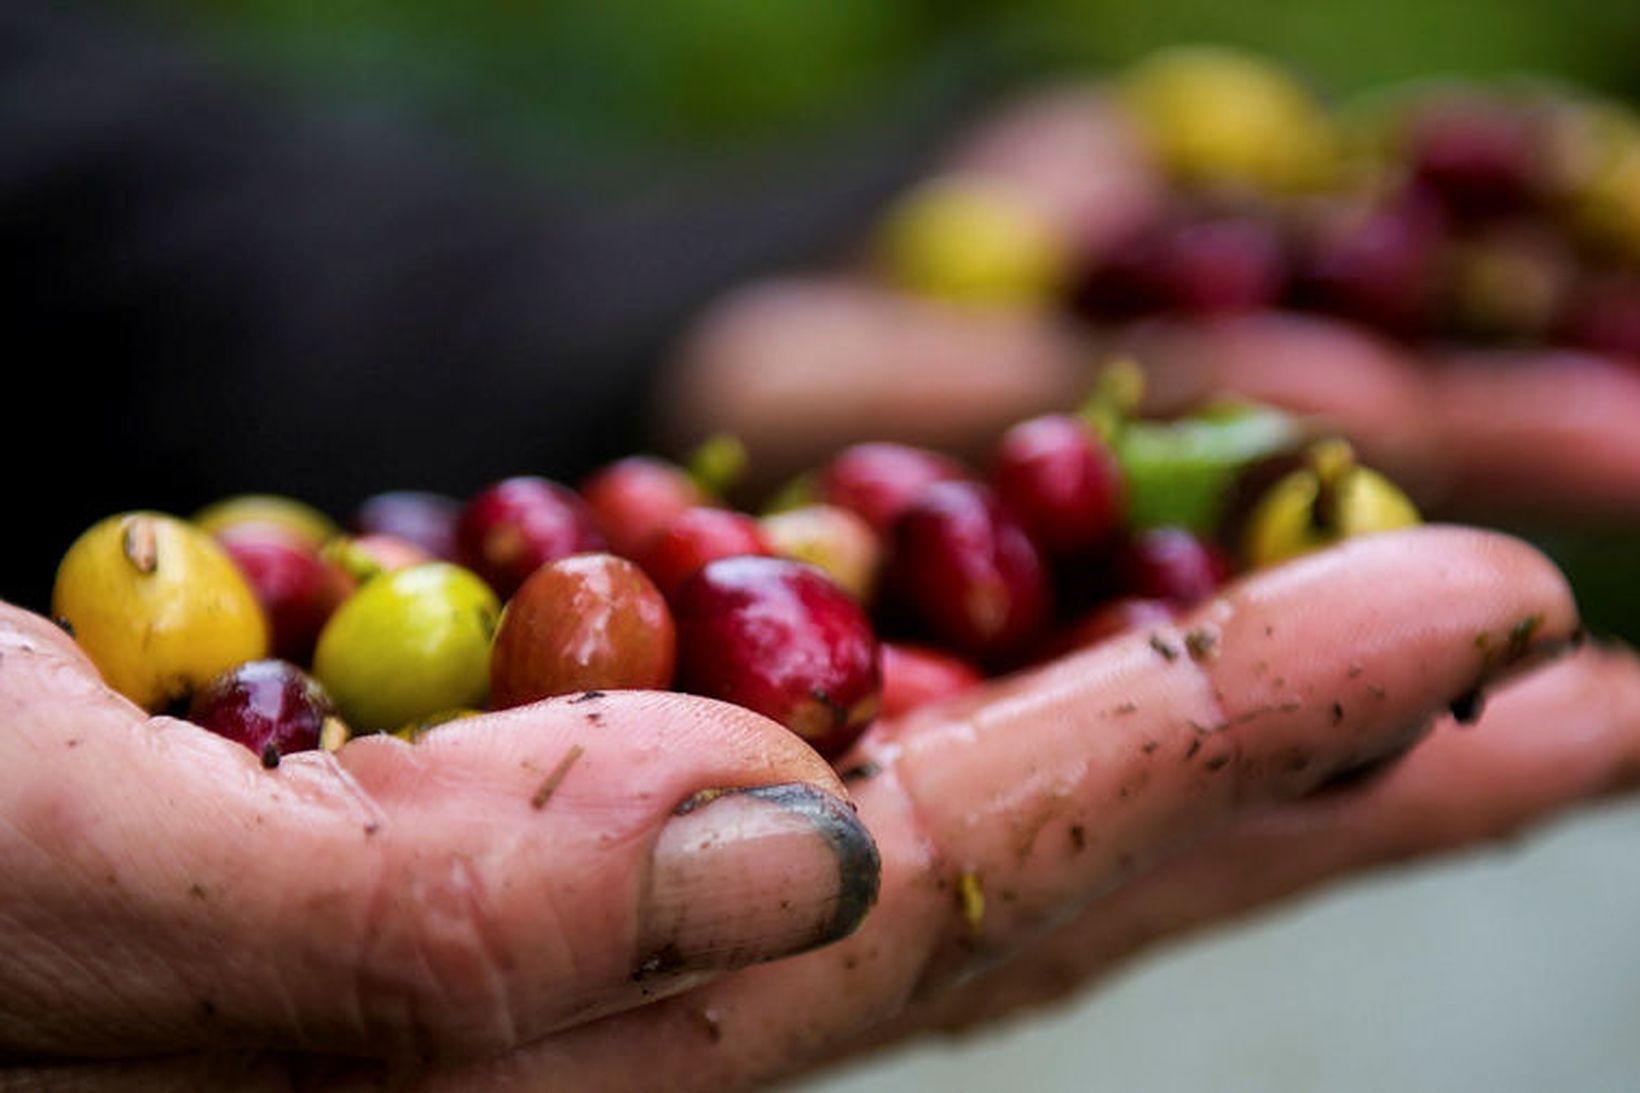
{"x":508,"y":875}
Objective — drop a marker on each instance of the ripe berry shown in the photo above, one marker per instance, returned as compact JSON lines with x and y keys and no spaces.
{"x":1061,"y":481}
{"x":634,"y":498}
{"x":270,"y":706}
{"x":588,"y":622}
{"x":297,"y":586}
{"x":879,"y":480}
{"x":158,"y":606}
{"x":408,"y":644}
{"x":1605,"y":316}
{"x":425,"y":520}
{"x":1109,"y":620}
{"x":519,"y":524}
{"x":967,"y":572}
{"x":914,"y":676}
{"x":365,"y":556}
{"x":1171,"y":564}
{"x":1380,"y":265}
{"x":1481,"y":156}
{"x":776,"y":636}
{"x":697,"y":536}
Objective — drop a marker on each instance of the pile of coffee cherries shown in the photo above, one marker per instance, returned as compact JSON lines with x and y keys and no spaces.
{"x":1504,"y":213}
{"x":886,"y":578}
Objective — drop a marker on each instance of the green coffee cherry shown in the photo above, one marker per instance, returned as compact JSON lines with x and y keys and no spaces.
{"x":409,"y":644}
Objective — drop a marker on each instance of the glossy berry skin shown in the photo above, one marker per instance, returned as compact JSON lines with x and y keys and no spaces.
{"x":425,"y":520}
{"x":1171,"y":564}
{"x":296,"y":517}
{"x":697,"y":536}
{"x":914,"y":675}
{"x":967,"y":573}
{"x":517,"y":525}
{"x":778,"y":637}
{"x":589,"y":622}
{"x":878,"y":480}
{"x":365,"y":556}
{"x":634,"y":498}
{"x":297,"y":586}
{"x":270,"y":706}
{"x":1061,"y":481}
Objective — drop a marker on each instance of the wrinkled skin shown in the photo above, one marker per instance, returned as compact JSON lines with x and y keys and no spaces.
{"x":501,"y":906}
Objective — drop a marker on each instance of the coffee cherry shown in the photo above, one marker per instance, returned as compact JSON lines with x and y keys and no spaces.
{"x":833,"y":540}
{"x":363,"y":557}
{"x":1604,"y":315}
{"x":425,"y":520}
{"x":589,"y":622}
{"x":1172,"y":565}
{"x":879,"y":480}
{"x":973,"y":241}
{"x":408,"y":644}
{"x":914,"y":676}
{"x":158,"y":606}
{"x":294,"y":516}
{"x":519,"y":524}
{"x":967,"y":572}
{"x":1221,"y":118}
{"x":1509,"y":281}
{"x":777,"y":637}
{"x":1481,"y":156}
{"x":1061,"y":481}
{"x":1198,"y":266}
{"x":697,"y":536}
{"x":270,"y":706}
{"x":1331,"y":499}
{"x":1378,"y":265}
{"x":297,"y":586}
{"x":633,"y":499}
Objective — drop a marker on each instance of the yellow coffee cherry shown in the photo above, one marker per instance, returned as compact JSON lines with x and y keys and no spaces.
{"x":972,"y":241}
{"x":407,"y":645}
{"x":1222,"y":118}
{"x":1333,"y":498}
{"x":158,"y":606}
{"x":302,"y":519}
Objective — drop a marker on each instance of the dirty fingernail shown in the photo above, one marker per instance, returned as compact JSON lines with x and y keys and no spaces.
{"x":750,"y":874}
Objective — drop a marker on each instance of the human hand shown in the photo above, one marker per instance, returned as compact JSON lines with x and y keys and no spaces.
{"x":406,"y":915}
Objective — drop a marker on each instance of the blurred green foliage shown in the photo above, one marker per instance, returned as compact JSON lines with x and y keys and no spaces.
{"x":604,"y":77}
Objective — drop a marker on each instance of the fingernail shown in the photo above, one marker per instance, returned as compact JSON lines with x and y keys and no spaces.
{"x":744,"y":875}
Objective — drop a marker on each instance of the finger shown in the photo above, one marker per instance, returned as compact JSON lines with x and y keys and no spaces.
{"x":1562,"y":736}
{"x":1051,"y":788}
{"x":797,"y":368}
{"x":506,"y":875}
{"x":1513,"y":434}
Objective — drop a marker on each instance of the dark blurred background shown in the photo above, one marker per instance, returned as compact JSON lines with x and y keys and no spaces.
{"x":598,"y":89}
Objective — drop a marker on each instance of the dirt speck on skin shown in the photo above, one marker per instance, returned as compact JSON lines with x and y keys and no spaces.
{"x":1202,"y":644}
{"x":971,"y":901}
{"x":861,"y":773}
{"x":1166,"y":648}
{"x":1150,"y":746}
{"x":1337,"y":712}
{"x":197,"y":891}
{"x":64,"y":625}
{"x":1195,"y":746}
{"x":586,"y":696}
{"x":1354,"y":671}
{"x":1079,"y":838}
{"x":663,"y":961}
{"x":1217,"y":762}
{"x":207,"y":1009}
{"x":71,"y":744}
{"x":1376,"y":690}
{"x":594,"y":717}
{"x":1127,"y":708}
{"x":1467,"y":707}
{"x":270,"y":756}
{"x":550,"y":784}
